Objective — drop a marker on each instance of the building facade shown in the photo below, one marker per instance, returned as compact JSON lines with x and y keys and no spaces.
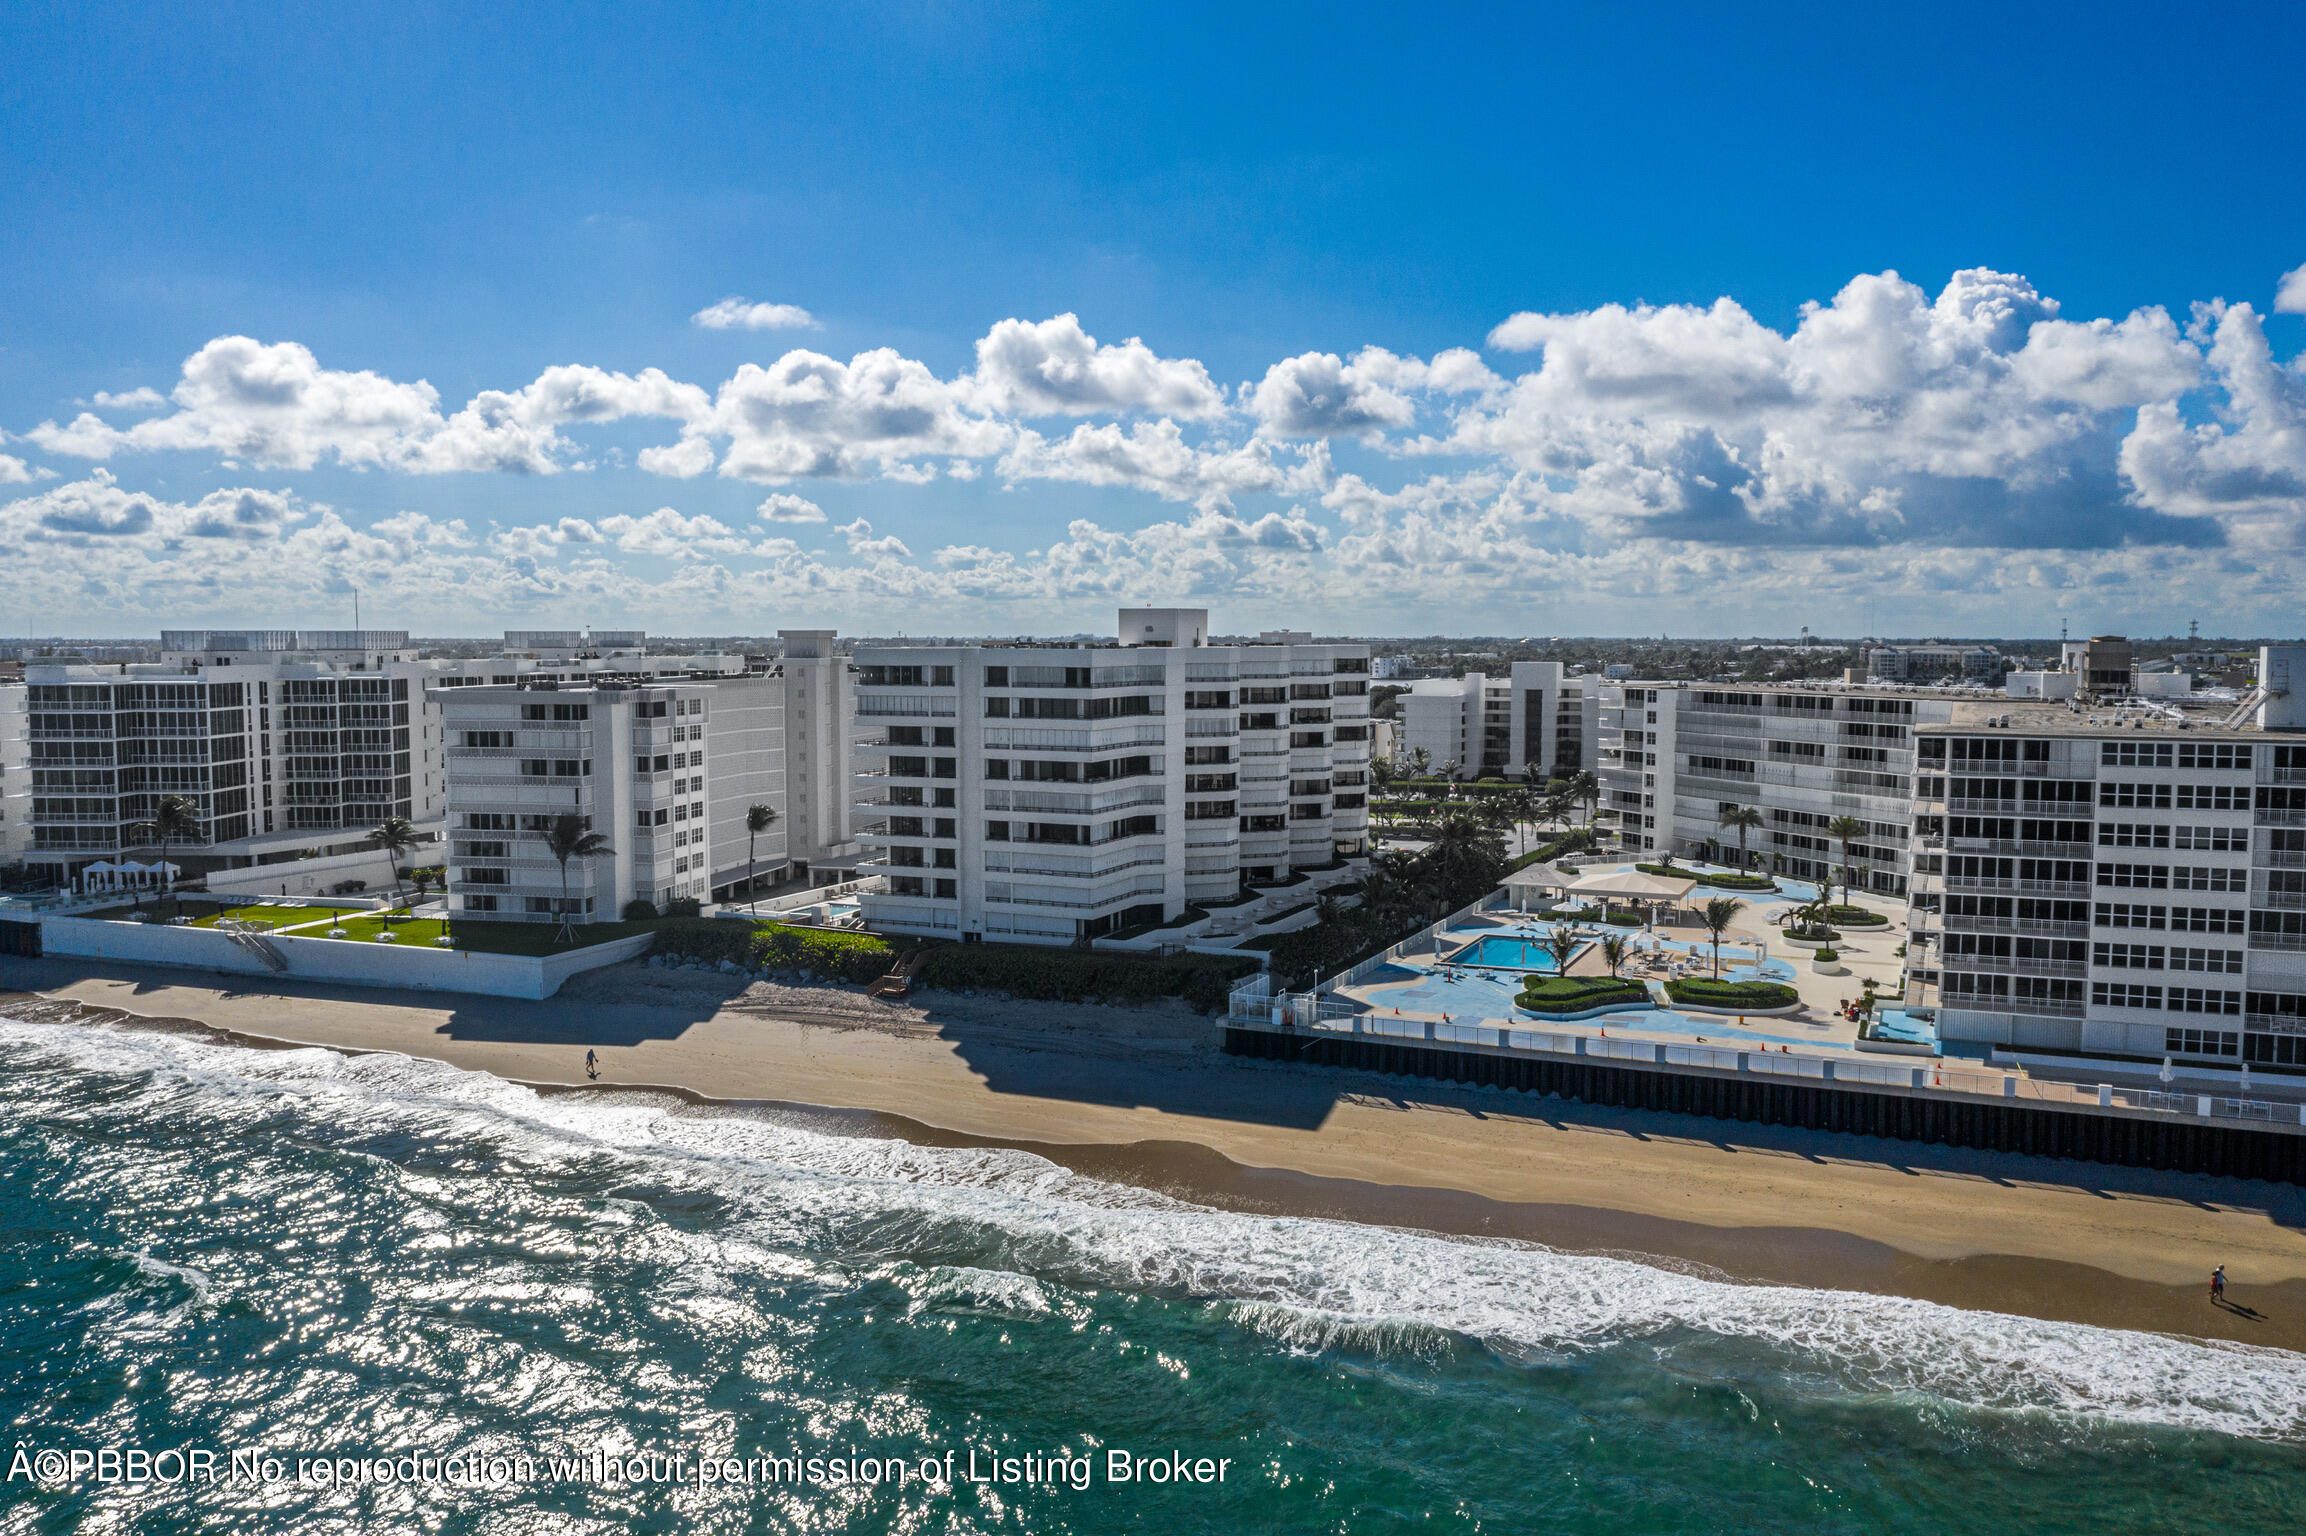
{"x":2114,"y":886}
{"x":286,"y":742}
{"x":664,"y":766}
{"x":1477,"y":726}
{"x":1933,"y":663}
{"x":1672,"y":757}
{"x":1047,"y":794}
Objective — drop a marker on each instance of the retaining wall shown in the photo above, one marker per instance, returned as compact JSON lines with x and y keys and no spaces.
{"x":420,"y":966}
{"x":2132,"y":1139}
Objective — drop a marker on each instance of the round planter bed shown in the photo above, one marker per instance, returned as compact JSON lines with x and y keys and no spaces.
{"x":1857,"y":917}
{"x":1559,"y":997}
{"x":1813,"y":940}
{"x":1760,"y":998}
{"x":1825,"y":967}
{"x":1743,"y":1013}
{"x":1585,"y":1013}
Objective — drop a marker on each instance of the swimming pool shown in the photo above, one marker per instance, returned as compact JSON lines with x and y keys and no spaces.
{"x":1505,"y":952}
{"x":1906,"y":1028}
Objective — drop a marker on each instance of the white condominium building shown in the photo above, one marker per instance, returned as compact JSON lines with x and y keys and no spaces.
{"x":287,"y":742}
{"x":1044,"y":794}
{"x":664,"y":767}
{"x":1537,"y":717}
{"x":2125,"y":882}
{"x":1674,"y":756}
{"x":15,"y":772}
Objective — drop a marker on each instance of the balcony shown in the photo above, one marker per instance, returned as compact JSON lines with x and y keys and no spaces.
{"x":2267,"y":818}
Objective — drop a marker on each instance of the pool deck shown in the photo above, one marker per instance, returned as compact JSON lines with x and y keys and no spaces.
{"x":1416,"y":988}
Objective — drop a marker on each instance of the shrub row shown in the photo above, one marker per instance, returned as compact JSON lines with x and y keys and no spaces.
{"x":1072,"y":976}
{"x":1574,"y":994}
{"x":1856,"y":917}
{"x":1726,"y":882}
{"x":855,"y":957}
{"x":1707,"y":992}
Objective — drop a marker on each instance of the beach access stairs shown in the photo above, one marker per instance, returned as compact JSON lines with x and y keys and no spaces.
{"x":247,"y":936}
{"x":899,"y":980}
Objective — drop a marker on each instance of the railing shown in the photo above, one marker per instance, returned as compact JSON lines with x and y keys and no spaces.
{"x":2267,"y":818}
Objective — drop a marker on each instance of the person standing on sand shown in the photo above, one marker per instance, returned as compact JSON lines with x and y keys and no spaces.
{"x":2218,"y":1283}
{"x":592,"y":1065}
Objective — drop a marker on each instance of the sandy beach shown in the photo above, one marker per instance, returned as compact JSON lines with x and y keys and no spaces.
{"x":1145,"y":1096}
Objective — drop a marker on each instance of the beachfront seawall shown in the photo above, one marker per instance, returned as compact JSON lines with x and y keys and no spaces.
{"x":2136,"y":1139}
{"x":341,"y":961}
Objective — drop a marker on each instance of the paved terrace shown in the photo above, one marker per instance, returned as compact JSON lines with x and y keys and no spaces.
{"x":1412,"y":988}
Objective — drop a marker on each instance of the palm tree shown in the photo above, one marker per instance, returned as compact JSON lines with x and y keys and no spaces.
{"x":175,"y":820}
{"x":1843,"y":829}
{"x":1449,"y":769}
{"x":1613,"y":949}
{"x":1562,"y":945}
{"x":758,"y":819}
{"x":420,"y":880}
{"x":571,"y":837}
{"x":1585,"y":787}
{"x":1719,"y":913}
{"x":1420,"y":762}
{"x":1742,"y":819}
{"x":1378,"y":889}
{"x":395,"y":835}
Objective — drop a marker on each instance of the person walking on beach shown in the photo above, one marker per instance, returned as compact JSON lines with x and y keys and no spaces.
{"x":2218,"y":1284}
{"x":592,"y":1065}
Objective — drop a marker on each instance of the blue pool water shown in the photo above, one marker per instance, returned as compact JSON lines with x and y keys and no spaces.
{"x":1898,"y":1024}
{"x":1501,"y":951}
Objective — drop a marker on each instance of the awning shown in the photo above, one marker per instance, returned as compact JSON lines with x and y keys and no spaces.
{"x":1632,"y":882}
{"x":1540,"y":877}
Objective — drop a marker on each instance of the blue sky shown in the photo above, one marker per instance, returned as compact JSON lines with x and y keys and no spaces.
{"x":1429,"y":312}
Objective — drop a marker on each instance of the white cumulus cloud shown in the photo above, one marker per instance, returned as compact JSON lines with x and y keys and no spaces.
{"x":1054,"y":367}
{"x":735,"y":314}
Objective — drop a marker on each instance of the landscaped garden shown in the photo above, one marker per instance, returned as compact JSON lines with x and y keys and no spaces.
{"x":1732,"y":996}
{"x":1716,"y":879}
{"x":1065,"y":975}
{"x":1576,"y":994}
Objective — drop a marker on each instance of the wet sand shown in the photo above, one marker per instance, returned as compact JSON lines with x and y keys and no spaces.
{"x":1143,"y":1096}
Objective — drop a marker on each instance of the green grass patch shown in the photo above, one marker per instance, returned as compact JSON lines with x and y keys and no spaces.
{"x":276,"y":916}
{"x":1705,"y":992}
{"x":836,"y":952}
{"x":1575,"y":994}
{"x":1071,"y":976}
{"x":478,"y":935}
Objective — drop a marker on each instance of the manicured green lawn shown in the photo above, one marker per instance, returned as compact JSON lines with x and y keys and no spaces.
{"x":486,"y":937}
{"x":271,"y":916}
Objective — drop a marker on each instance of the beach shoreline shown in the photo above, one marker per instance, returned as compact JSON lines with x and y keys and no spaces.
{"x":1143,"y":1097}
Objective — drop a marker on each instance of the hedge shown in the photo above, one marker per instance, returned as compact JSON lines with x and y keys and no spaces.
{"x":1072,"y":976}
{"x":1726,"y":882}
{"x":1709,"y":993}
{"x":1622,"y":920}
{"x":1856,"y":917}
{"x":856,"y":957}
{"x":1575,"y":994}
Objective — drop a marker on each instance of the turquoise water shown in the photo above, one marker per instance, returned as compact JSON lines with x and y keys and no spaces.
{"x":1505,"y":952}
{"x":1897,"y":1024}
{"x":298,"y":1253}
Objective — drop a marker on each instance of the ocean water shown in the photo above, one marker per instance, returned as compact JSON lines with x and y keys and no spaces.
{"x":412,"y":1298}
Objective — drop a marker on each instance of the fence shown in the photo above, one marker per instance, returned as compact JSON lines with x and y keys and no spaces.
{"x":333,"y":960}
{"x":1255,"y":1008}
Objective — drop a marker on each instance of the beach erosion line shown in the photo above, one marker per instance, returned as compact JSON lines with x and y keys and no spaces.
{"x":796,"y":1185}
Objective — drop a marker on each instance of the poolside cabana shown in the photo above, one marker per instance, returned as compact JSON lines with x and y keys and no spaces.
{"x":1633,"y":885}
{"x":1537,"y":877}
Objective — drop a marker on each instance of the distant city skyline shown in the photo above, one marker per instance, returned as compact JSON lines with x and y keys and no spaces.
{"x":920,"y":322}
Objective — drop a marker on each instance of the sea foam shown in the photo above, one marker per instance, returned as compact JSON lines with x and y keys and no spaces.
{"x":992,"y":1227}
